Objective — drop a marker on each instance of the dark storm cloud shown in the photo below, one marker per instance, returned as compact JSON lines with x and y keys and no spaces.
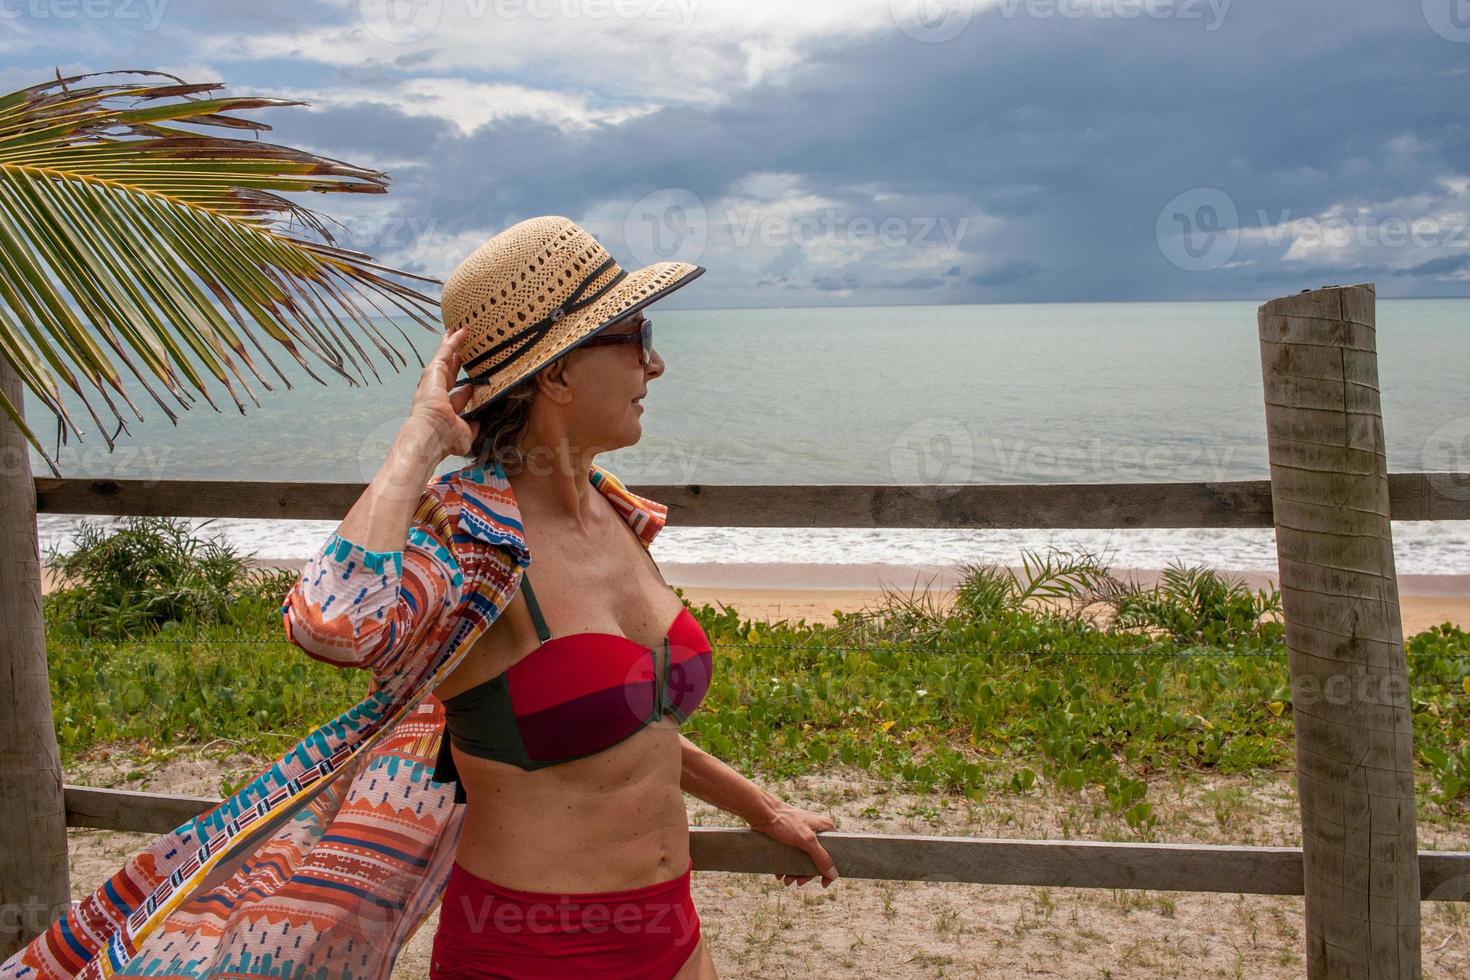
{"x":1071,"y":134}
{"x":1060,"y":140}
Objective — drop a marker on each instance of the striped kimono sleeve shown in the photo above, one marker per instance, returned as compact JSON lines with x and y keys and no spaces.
{"x":352,"y":607}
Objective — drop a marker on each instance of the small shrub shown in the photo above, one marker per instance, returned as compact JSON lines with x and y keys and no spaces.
{"x":1197,"y":605}
{"x":136,"y":580}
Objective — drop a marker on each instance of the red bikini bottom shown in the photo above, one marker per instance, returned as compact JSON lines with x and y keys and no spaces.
{"x":487,"y":931}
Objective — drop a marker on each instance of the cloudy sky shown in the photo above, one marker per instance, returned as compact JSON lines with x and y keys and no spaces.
{"x":865,"y":151}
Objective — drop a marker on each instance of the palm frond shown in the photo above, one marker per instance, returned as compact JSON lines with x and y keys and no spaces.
{"x":127,"y":239}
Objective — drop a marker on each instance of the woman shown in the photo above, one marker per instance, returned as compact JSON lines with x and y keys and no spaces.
{"x":563,"y":718}
{"x":571,"y":857}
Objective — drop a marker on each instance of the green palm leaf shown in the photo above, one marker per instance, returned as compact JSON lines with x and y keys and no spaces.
{"x":126,"y":239}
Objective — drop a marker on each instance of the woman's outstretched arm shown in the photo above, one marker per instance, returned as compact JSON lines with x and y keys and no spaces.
{"x":707,"y":778}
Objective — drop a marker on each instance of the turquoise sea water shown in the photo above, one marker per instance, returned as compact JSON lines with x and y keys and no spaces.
{"x":1112,"y":392}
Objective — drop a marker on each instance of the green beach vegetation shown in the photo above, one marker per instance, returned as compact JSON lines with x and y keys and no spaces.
{"x":1057,"y":673}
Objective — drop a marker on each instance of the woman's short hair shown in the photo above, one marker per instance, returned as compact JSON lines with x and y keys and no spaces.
{"x":503,"y":421}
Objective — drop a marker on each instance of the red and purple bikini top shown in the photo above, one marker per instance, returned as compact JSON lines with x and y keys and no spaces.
{"x":576,"y":695}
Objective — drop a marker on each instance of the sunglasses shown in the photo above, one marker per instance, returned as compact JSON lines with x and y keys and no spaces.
{"x":643,"y":337}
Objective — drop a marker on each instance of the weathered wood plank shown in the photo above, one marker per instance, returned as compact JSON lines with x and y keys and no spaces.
{"x":99,"y":808}
{"x":1058,"y":864}
{"x":1240,"y":503}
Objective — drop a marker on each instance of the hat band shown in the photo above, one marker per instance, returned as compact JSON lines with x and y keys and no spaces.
{"x":527,"y":338}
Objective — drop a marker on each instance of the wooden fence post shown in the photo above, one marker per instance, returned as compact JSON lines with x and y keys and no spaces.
{"x":34,"y":889}
{"x":1344,"y":636}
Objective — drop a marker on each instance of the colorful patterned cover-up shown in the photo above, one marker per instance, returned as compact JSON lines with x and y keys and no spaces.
{"x":325,"y":864}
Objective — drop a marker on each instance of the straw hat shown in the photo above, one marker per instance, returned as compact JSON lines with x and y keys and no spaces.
{"x":535,"y":291}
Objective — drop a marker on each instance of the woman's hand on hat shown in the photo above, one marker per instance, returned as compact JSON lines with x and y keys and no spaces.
{"x":436,"y":407}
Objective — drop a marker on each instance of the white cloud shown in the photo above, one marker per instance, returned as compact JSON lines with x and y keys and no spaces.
{"x":643,"y":51}
{"x":470,"y":105}
{"x":1400,"y":233}
{"x":193,"y":71}
{"x":773,"y":230}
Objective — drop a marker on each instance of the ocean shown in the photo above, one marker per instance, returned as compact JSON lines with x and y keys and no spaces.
{"x":1047,"y":393}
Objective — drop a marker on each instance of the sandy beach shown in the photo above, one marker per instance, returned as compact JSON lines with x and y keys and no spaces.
{"x":1424,"y":600}
{"x":1419,"y":612}
{"x":771,"y":593}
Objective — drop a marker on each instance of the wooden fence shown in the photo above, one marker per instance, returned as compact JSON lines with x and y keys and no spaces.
{"x":1069,"y":864}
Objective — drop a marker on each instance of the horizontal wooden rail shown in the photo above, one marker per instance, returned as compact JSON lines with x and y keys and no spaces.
{"x":1444,"y":876}
{"x":1245,"y":503}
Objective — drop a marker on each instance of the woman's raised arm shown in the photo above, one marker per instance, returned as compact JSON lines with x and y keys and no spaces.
{"x":383,"y":579}
{"x":433,"y":430}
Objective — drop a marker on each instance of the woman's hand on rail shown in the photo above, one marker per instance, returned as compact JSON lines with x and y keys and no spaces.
{"x":799,"y":828}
